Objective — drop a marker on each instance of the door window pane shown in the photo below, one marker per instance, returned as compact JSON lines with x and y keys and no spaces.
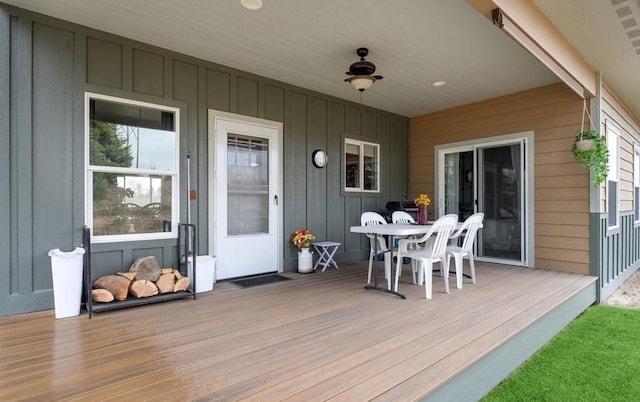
{"x":247,"y":185}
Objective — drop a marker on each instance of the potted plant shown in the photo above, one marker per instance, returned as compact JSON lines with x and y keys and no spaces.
{"x":590,"y":149}
{"x":303,"y":239}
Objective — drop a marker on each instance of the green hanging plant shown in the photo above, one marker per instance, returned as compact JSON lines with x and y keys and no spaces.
{"x":590,"y":149}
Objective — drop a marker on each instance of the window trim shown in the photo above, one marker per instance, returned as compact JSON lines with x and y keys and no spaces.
{"x":361,"y":144}
{"x":90,"y":169}
{"x":613,"y":175}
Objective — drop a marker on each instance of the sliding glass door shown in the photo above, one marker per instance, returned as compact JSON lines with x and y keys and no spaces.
{"x":488,"y":178}
{"x":500,"y":193}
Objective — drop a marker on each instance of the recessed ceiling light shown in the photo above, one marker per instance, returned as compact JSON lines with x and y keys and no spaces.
{"x":251,"y":4}
{"x":438,"y":83}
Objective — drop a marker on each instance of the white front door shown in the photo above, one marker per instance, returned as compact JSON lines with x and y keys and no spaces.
{"x":244,"y":176}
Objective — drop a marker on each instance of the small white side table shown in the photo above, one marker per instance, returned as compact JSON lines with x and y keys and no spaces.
{"x":326,"y":250}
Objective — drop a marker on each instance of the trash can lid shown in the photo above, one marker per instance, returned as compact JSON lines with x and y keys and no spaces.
{"x":57,"y":252}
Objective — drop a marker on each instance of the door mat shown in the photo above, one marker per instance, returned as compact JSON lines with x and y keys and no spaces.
{"x":258,"y":280}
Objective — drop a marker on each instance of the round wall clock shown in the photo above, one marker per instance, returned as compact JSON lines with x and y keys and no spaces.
{"x":319,"y":158}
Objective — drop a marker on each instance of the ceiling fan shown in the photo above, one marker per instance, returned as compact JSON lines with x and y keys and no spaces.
{"x":361,"y":71}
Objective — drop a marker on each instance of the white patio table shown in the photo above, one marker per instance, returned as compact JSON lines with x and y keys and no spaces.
{"x":390,"y":230}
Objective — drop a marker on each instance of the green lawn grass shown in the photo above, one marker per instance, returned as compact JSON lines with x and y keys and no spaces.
{"x":595,"y":358}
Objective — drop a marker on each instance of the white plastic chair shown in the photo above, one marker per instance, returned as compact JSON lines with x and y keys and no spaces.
{"x":469,"y":229}
{"x":401,"y":217}
{"x":370,"y":219}
{"x":404,"y":217}
{"x":429,"y":252}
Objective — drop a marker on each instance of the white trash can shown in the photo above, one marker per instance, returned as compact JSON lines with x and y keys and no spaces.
{"x":205,"y":273}
{"x":66,"y":270}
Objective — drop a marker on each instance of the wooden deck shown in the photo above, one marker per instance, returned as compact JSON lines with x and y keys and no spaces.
{"x":320,"y":336}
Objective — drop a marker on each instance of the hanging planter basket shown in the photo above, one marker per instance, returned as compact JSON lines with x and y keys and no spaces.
{"x":584,"y":145}
{"x":590,"y":149}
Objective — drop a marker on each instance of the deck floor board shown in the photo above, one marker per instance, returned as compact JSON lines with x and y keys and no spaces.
{"x":320,"y":336}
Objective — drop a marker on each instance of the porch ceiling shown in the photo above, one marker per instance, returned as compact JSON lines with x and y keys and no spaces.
{"x":413,"y":43}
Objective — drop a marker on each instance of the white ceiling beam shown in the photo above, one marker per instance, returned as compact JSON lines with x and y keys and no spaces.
{"x":503,"y":22}
{"x":540,"y":33}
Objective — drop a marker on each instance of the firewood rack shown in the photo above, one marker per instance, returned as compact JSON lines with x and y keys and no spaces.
{"x":185,"y":255}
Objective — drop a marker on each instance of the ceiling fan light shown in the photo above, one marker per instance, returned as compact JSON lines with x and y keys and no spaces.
{"x":361,"y":82}
{"x":251,"y":4}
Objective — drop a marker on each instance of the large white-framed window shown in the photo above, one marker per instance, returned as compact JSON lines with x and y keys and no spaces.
{"x":132,"y":160}
{"x":613,"y":176}
{"x":361,"y":166}
{"x":636,"y":183}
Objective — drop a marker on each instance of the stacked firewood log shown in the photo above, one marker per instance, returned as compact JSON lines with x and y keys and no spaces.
{"x":145,"y":278}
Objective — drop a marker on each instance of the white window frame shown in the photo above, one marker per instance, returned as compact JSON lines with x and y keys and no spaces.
{"x":613,"y":176}
{"x":90,"y":169}
{"x":636,"y":184}
{"x":361,"y":145}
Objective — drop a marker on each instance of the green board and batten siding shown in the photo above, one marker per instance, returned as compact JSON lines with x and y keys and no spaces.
{"x":615,"y":255}
{"x":47,"y":65}
{"x":5,"y":157}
